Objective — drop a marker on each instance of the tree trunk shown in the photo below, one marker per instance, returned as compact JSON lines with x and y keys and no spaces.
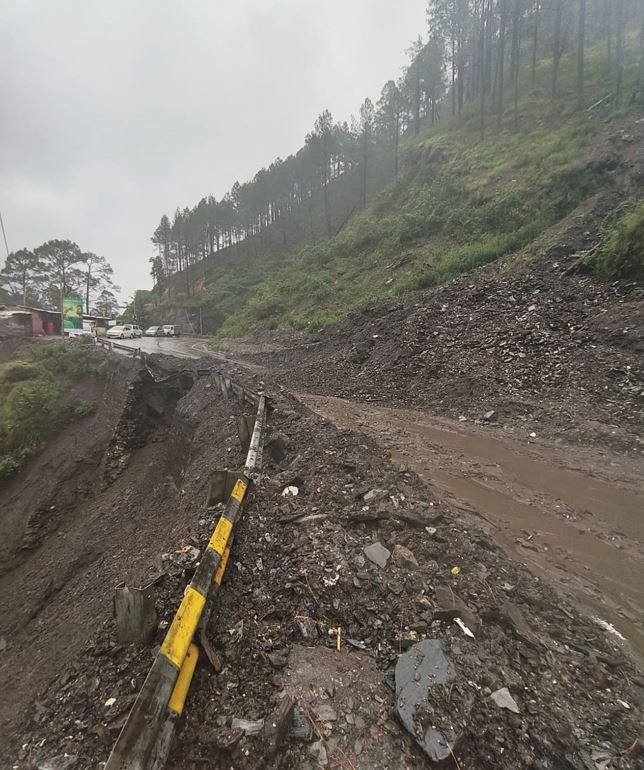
{"x":609,"y":32}
{"x":639,"y":96}
{"x":581,"y":45}
{"x":453,"y":67}
{"x":396,"y":145}
{"x":557,"y":48}
{"x":619,"y":52}
{"x":501,"y":62}
{"x":516,"y":56}
{"x":417,"y":98}
{"x":535,"y":40}
{"x":483,"y":84}
{"x":364,"y":171}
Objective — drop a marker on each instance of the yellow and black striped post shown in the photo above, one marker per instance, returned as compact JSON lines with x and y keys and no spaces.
{"x":137,"y":747}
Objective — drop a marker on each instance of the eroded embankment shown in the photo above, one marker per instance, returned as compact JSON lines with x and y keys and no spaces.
{"x":304,"y":567}
{"x":84,"y":514}
{"x":577,"y":521}
{"x":532,"y":339}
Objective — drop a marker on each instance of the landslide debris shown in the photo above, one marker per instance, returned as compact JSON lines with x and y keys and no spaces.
{"x":529,"y":342}
{"x":300,"y":584}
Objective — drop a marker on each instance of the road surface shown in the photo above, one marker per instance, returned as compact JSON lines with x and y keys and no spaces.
{"x":573,"y":516}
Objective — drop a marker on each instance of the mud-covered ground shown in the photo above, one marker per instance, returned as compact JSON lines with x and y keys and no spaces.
{"x":531,"y":339}
{"x":299,"y":579}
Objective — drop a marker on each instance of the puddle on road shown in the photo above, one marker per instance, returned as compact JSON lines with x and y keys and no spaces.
{"x":514,"y":497}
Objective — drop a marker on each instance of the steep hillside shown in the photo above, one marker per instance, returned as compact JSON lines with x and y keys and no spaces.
{"x":461,"y":201}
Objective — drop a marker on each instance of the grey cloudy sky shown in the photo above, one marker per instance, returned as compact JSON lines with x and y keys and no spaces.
{"x":114,"y":113}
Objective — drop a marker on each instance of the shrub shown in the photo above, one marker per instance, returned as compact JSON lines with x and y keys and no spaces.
{"x":8,"y":464}
{"x":621,"y":255}
{"x":18,"y":371}
{"x":83,"y":408}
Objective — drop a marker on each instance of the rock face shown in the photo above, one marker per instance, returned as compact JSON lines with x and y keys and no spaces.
{"x":419,"y":673}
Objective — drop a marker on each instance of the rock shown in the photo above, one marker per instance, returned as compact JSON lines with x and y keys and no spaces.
{"x":512,"y":616}
{"x":225,"y":738}
{"x":3,"y":644}
{"x":378,"y":554}
{"x":403,"y":557}
{"x":450,"y":602}
{"x":59,"y":762}
{"x":277,"y":726}
{"x":301,"y":729}
{"x":418,"y":673}
{"x":248,"y":726}
{"x":504,"y":700}
{"x":318,"y":751}
{"x":277,"y":660}
{"x":325,"y":713}
{"x":374,"y":495}
{"x":490,"y":416}
{"x":308,"y":628}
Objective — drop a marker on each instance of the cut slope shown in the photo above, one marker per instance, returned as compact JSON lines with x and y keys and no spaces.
{"x":547,"y":348}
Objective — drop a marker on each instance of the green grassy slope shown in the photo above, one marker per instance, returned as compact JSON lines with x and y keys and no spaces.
{"x":461,"y":201}
{"x":36,"y":386}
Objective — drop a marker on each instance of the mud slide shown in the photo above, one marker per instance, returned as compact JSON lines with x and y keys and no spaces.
{"x":578,"y":521}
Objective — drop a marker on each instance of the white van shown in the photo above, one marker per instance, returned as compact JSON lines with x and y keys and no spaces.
{"x":171,"y":330}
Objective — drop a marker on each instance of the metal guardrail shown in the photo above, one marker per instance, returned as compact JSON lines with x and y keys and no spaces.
{"x":144,"y":741}
{"x":109,"y":345}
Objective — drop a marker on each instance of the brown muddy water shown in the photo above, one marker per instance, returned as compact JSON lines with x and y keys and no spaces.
{"x":573,"y":516}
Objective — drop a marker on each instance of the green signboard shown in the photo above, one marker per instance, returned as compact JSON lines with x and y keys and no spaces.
{"x":72,"y":313}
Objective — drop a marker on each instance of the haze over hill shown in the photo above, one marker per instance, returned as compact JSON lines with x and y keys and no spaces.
{"x":495,"y":131}
{"x":113,"y":111}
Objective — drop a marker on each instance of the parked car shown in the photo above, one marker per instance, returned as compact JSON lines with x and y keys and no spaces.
{"x":125,"y":331}
{"x":138,"y":331}
{"x":171,"y":330}
{"x":79,"y":332}
{"x":155,"y":331}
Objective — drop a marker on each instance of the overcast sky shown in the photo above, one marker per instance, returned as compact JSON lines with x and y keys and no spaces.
{"x":113,"y":113}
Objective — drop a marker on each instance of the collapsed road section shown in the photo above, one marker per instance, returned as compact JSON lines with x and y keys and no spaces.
{"x":361,"y":623}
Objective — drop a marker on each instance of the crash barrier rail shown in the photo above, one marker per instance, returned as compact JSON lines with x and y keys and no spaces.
{"x":109,"y":345}
{"x":227,"y":386}
{"x":144,"y":741}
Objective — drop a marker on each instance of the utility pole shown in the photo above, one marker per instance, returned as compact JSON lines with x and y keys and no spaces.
{"x":4,"y":235}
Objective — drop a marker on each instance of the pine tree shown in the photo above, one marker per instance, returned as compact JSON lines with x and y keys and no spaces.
{"x":21,"y":275}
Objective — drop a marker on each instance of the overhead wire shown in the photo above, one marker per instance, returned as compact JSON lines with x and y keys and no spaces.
{"x":4,"y":234}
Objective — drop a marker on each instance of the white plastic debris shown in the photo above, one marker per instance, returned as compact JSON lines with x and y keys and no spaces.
{"x":110,"y":702}
{"x":610,"y":628}
{"x":291,"y":492}
{"x":464,"y":628}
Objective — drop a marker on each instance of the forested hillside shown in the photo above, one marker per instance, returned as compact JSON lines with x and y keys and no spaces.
{"x":497,"y":129}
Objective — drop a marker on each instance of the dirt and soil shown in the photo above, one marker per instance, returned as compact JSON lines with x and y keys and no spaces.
{"x":532,"y":338}
{"x":300,"y":570}
{"x":469,"y":470}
